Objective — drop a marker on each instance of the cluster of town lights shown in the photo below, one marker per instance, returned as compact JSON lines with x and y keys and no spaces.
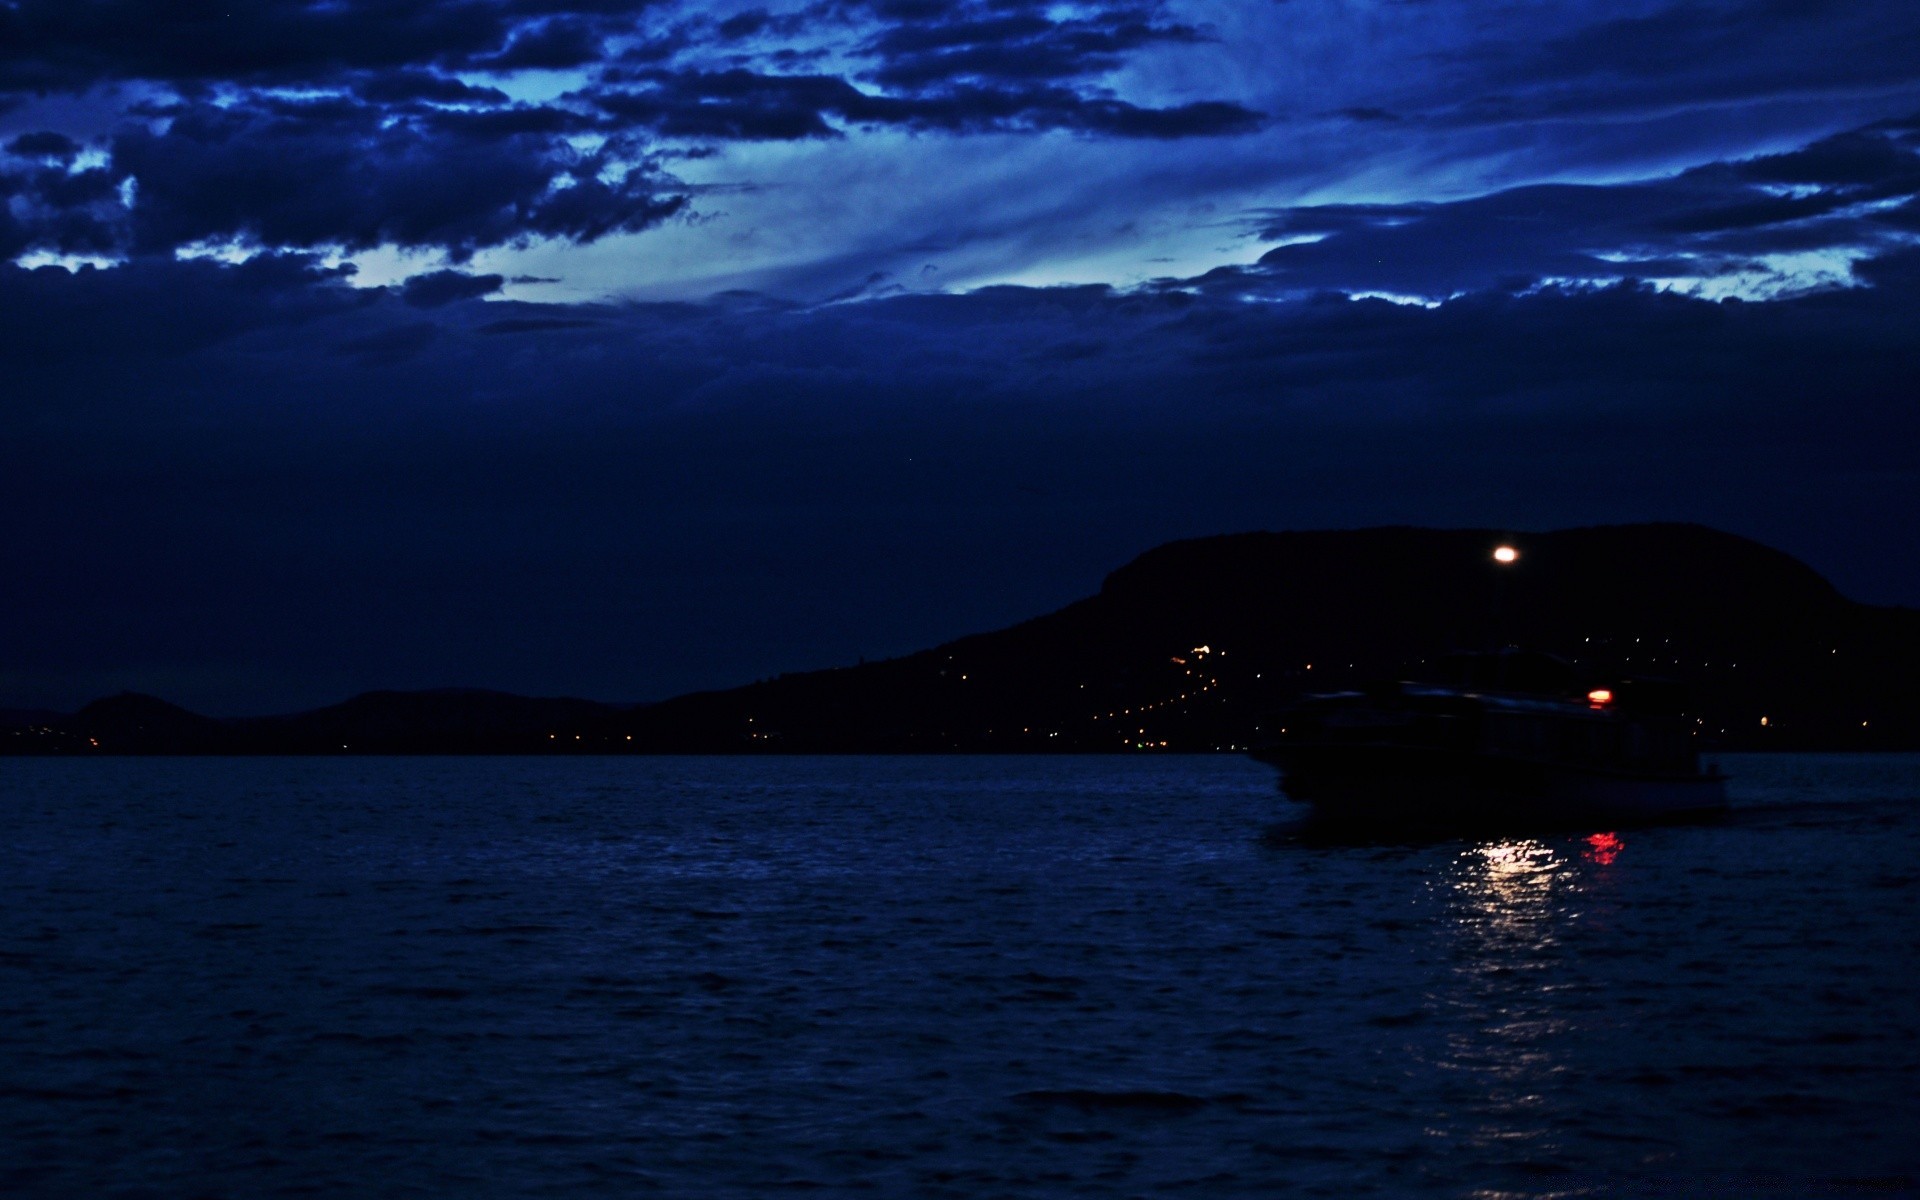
{"x":1197,"y":653}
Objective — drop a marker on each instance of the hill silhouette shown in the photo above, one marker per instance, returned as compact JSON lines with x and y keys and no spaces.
{"x":1193,"y":644}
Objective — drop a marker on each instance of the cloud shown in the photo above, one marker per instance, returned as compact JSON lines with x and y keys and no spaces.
{"x":551,"y":45}
{"x":77,"y":211}
{"x":152,"y":312}
{"x":350,"y":125}
{"x":956,"y":68}
{"x":57,"y":146}
{"x":335,"y":172}
{"x":739,"y":104}
{"x":1844,"y":196}
{"x":1021,"y":44}
{"x":53,"y":44}
{"x":444,"y":287}
{"x":405,"y":85}
{"x":736,"y":104}
{"x":1692,"y":50}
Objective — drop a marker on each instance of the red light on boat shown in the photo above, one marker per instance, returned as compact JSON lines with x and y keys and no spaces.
{"x":1603,"y":848}
{"x":1599,"y":696}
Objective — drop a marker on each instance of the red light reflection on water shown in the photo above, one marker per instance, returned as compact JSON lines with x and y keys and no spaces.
{"x":1603,"y":848}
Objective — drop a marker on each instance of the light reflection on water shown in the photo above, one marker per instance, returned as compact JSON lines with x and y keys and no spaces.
{"x":934,"y":977}
{"x":1508,"y":906}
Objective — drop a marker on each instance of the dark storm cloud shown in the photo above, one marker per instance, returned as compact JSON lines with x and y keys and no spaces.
{"x":495,"y":124}
{"x":78,"y":211}
{"x":444,"y":287}
{"x":404,"y":49}
{"x":403,"y":86}
{"x":294,"y":125}
{"x":971,"y":67}
{"x":152,"y":312}
{"x":60,"y":44}
{"x":1849,"y":192}
{"x":1020,"y":44}
{"x":953,"y":68}
{"x":737,"y":104}
{"x":1690,"y":53}
{"x":1877,"y":162}
{"x":746,"y":105}
{"x":552,"y":45}
{"x":1724,"y":39}
{"x":56,"y":146}
{"x":336,"y":172}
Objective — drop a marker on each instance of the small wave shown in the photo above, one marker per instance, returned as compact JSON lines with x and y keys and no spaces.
{"x":1092,"y":1100}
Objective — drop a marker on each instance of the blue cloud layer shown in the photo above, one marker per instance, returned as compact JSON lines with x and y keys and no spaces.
{"x":351,"y":125}
{"x":1852,"y":196}
{"x":414,"y":124}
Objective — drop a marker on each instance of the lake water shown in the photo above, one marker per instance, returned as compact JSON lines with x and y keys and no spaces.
{"x":936,"y":977}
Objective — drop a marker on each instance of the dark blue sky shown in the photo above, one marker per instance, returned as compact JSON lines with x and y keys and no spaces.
{"x":619,"y":348}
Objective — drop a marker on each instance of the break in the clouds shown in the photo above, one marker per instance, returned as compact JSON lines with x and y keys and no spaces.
{"x":673,"y":149}
{"x":354,"y":126}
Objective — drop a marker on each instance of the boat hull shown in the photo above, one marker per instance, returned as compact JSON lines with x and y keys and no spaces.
{"x":1423,"y":786}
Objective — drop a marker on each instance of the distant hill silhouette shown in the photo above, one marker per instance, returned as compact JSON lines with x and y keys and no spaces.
{"x":440,"y":721}
{"x":1193,"y":644}
{"x":444,"y":721}
{"x":135,"y":724}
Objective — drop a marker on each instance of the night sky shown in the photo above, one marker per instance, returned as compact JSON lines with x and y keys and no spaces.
{"x":618,"y":348}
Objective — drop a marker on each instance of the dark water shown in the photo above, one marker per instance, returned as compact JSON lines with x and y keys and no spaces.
{"x":936,"y":977}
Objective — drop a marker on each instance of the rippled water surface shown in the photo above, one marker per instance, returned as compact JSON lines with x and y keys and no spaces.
{"x":965,"y":977}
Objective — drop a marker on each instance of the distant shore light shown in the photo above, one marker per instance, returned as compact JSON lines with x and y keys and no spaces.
{"x":1505,"y":554}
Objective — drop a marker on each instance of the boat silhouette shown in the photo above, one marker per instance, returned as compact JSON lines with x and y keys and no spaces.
{"x":1509,"y":737}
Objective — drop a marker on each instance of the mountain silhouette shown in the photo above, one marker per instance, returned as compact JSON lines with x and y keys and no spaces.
{"x":1193,"y":645}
